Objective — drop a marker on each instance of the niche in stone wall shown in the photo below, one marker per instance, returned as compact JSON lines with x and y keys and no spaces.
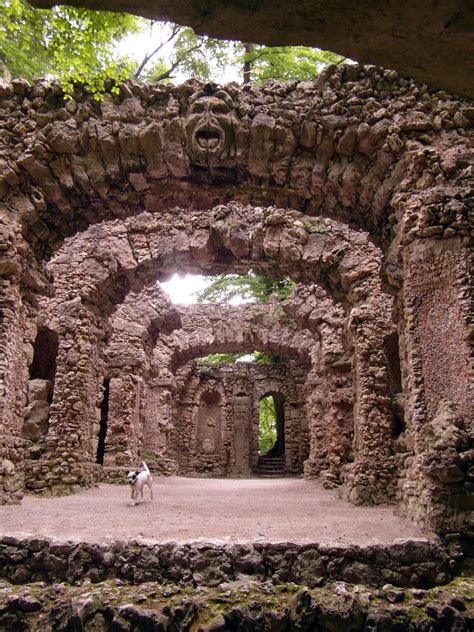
{"x":392,"y":354}
{"x":209,"y":425}
{"x":45,"y":348}
{"x":40,"y":390}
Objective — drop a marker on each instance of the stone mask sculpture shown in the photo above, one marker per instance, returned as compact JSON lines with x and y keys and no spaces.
{"x":210,"y":129}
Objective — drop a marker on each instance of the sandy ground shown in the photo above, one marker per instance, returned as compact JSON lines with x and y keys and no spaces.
{"x":198,"y":509}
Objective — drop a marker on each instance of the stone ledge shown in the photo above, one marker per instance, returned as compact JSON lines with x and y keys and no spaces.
{"x":243,"y":605}
{"x":405,"y":563}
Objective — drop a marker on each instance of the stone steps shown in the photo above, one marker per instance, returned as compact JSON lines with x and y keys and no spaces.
{"x":268,"y":466}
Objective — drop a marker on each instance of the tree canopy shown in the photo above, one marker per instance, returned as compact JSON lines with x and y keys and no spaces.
{"x":255,"y":288}
{"x":82,"y":46}
{"x":73,"y":45}
{"x":288,"y":62}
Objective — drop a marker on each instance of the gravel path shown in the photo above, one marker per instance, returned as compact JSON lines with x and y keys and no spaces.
{"x":199,"y":509}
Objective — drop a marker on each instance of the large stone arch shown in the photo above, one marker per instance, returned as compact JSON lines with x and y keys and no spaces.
{"x":359,"y":145}
{"x":96,"y":269}
{"x":340,"y":146}
{"x":184,"y":332}
{"x":203,"y":329}
{"x":103,"y":263}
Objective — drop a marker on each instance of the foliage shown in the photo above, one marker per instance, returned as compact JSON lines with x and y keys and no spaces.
{"x":193,"y":55}
{"x":288,"y":62}
{"x":267,"y":434}
{"x":79,"y":45}
{"x":74,"y":45}
{"x":225,"y":358}
{"x":247,"y":287}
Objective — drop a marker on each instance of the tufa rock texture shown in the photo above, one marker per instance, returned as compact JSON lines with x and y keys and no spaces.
{"x":357,"y":186}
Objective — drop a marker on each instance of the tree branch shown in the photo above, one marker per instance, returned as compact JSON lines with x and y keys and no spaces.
{"x":175,"y":64}
{"x":149,"y":56}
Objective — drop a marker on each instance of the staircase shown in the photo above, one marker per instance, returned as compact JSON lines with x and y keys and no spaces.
{"x":270,"y":466}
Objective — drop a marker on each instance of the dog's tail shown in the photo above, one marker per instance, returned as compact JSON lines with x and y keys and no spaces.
{"x":145,"y":467}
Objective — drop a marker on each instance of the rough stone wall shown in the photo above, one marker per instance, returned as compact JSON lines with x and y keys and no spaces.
{"x":437,"y":478}
{"x":75,"y":409}
{"x":22,"y":280}
{"x":329,"y":390}
{"x":340,"y":145}
{"x":216,"y":413}
{"x":404,"y":563}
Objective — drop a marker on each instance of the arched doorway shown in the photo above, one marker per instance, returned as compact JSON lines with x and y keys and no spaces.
{"x":271,"y":435}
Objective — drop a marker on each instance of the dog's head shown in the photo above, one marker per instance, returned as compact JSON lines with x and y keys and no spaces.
{"x":132,"y":477}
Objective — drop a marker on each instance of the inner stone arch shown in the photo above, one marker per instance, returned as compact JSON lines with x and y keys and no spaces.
{"x":130,"y":255}
{"x":230,"y":393}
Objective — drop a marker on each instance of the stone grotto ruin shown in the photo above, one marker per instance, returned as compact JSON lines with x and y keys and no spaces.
{"x":357,"y":186}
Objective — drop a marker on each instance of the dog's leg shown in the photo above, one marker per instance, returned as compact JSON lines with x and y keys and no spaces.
{"x":151,"y":490}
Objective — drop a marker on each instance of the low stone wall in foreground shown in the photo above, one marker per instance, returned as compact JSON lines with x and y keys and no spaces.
{"x":405,"y":563}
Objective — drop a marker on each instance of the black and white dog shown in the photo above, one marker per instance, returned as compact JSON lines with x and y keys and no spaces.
{"x":137,"y":481}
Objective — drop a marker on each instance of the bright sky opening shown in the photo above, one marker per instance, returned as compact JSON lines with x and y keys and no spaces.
{"x":184,"y":289}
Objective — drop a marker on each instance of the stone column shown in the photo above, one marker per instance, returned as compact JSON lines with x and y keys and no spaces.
{"x":15,"y":356}
{"x":158,"y":426}
{"x":242,"y":417}
{"x":17,"y":330}
{"x":330,"y":409}
{"x":437,"y":486}
{"x":371,"y":478}
{"x":70,"y":461}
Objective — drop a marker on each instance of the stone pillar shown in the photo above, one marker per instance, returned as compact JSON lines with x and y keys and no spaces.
{"x":15,"y":355}
{"x":17,"y":330}
{"x":242,"y":418}
{"x":330,"y":409}
{"x":314,"y":411}
{"x":437,"y":486}
{"x":371,"y":478}
{"x":158,"y":426}
{"x":70,"y":461}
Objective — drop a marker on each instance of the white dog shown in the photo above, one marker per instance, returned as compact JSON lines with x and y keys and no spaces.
{"x":137,"y":481}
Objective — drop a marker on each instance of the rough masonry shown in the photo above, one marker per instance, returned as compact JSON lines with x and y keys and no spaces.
{"x":357,"y":186}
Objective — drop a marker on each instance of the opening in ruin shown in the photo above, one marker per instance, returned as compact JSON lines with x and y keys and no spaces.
{"x":392,"y":354}
{"x":271,"y":435}
{"x":104,"y":417}
{"x":232,"y":289}
{"x":184,"y":288}
{"x":267,"y":434}
{"x":43,"y":366}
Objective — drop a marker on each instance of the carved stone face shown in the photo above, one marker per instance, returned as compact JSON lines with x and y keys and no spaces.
{"x":210,"y":128}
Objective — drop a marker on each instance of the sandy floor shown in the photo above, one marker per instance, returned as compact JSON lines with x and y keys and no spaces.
{"x":197,"y":509}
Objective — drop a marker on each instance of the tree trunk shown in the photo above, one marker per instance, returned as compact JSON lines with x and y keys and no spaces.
{"x":249,"y":48}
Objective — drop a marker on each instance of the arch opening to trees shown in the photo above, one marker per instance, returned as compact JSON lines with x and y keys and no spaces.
{"x":271,"y":427}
